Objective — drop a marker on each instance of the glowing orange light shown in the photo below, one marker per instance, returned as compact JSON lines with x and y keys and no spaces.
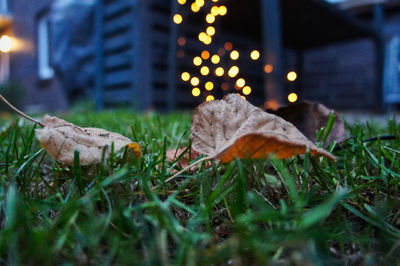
{"x":205,"y":54}
{"x":210,"y":31}
{"x":222,"y":10}
{"x":292,"y":76}
{"x":210,"y":98}
{"x":197,"y":61}
{"x":219,"y":71}
{"x":234,"y":55}
{"x":182,"y":2}
{"x":268,"y":69}
{"x":225,"y":86}
{"x":185,"y":76}
{"x":255,"y":55}
{"x":215,"y":10}
{"x":228,"y":46}
{"x":180,"y":53}
{"x":292,"y":97}
{"x":271,"y":104}
{"x":178,"y":19}
{"x":233,"y":71}
{"x":196,"y":92}
{"x":195,"y":8}
{"x":181,"y":41}
{"x":209,"y":86}
{"x":246,"y":90}
{"x":210,"y":18}
{"x":205,"y":71}
{"x":215,"y":59}
{"x":240,"y":83}
{"x":195,"y":81}
{"x":243,"y":97}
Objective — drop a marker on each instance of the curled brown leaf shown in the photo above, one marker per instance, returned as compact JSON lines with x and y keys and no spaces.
{"x":232,"y":127}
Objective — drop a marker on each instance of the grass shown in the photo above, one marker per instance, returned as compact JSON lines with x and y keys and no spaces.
{"x":300,"y":211}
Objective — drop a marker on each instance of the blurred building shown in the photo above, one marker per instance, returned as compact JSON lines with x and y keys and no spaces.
{"x":141,"y":54}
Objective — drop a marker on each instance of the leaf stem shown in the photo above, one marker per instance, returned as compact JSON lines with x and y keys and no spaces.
{"x":20,"y":112}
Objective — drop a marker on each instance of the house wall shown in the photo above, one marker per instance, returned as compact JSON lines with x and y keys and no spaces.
{"x":343,"y":75}
{"x":39,"y":94}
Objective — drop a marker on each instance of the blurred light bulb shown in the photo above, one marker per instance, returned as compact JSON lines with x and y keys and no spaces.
{"x":210,"y":31}
{"x":233,"y":71}
{"x":195,"y":81}
{"x":195,"y":8}
{"x":222,"y":10}
{"x":215,"y":59}
{"x":255,"y":55}
{"x":292,"y":76}
{"x":246,"y":90}
{"x":205,"y":71}
{"x":210,"y":98}
{"x":209,"y":86}
{"x":234,"y":55}
{"x":205,"y":54}
{"x":197,"y":61}
{"x":5,"y":44}
{"x":182,"y":2}
{"x":240,"y":83}
{"x":219,"y":71}
{"x":185,"y":76}
{"x":210,"y":18}
{"x":178,"y":19}
{"x":196,"y":92}
{"x":292,"y":97}
{"x":215,"y":10}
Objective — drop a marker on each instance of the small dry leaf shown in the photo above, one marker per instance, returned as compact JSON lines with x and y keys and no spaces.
{"x":309,"y":117}
{"x":61,"y":138}
{"x":185,"y":160}
{"x":232,"y":127}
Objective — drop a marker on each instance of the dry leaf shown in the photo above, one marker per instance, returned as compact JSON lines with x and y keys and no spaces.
{"x":232,"y":127}
{"x":61,"y":138}
{"x":309,"y":117}
{"x":185,"y":160}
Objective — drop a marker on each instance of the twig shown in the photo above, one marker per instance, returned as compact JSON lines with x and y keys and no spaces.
{"x":19,"y":112}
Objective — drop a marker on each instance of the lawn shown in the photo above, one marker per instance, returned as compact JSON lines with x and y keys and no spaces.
{"x":302,"y":211}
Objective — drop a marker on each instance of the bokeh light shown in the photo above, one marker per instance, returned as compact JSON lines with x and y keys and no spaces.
{"x":246,"y":90}
{"x":205,"y":54}
{"x":209,"y":86}
{"x":240,"y":83}
{"x":210,"y":98}
{"x":195,"y":8}
{"x":195,"y":81}
{"x":233,"y":71}
{"x":205,"y":70}
{"x":210,"y":18}
{"x":196,"y":92}
{"x":228,"y":46}
{"x":197,"y":61}
{"x":215,"y":10}
{"x":210,"y":31}
{"x":215,"y":59}
{"x":182,"y":2}
{"x":268,"y":68}
{"x":178,"y":19}
{"x":292,"y":76}
{"x":185,"y":76}
{"x":234,"y":55}
{"x":292,"y":97}
{"x":181,"y":41}
{"x":255,"y":55}
{"x":219,"y":71}
{"x":222,"y":10}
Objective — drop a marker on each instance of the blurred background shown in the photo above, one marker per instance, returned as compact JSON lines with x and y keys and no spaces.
{"x":174,"y":54}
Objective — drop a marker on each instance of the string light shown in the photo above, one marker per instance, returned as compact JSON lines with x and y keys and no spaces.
{"x":234,"y":55}
{"x":181,"y":41}
{"x":228,"y":46}
{"x":255,"y":55}
{"x":182,"y":2}
{"x":205,"y":54}
{"x":197,"y":61}
{"x":185,"y":76}
{"x":233,"y":71}
{"x":195,"y":81}
{"x":215,"y":59}
{"x":240,"y":83}
{"x":215,"y":10}
{"x":196,"y":92}
{"x":210,"y":98}
{"x":178,"y":19}
{"x":208,"y":40}
{"x":205,"y":71}
{"x":200,"y":3}
{"x":292,"y":97}
{"x":195,"y":8}
{"x":268,"y":68}
{"x":292,"y":76}
{"x":209,"y":86}
{"x":243,"y":97}
{"x":222,"y":10}
{"x":219,"y":71}
{"x":225,"y":86}
{"x":202,"y":36}
{"x":210,"y":18}
{"x":210,"y":31}
{"x":246,"y":90}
